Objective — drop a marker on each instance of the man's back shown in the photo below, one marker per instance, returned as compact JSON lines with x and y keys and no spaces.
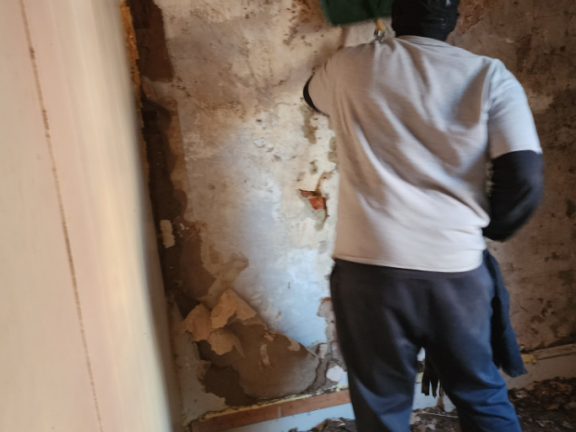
{"x":417,"y":120}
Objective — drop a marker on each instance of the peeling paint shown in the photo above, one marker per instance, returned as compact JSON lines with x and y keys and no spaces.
{"x":316,"y":201}
{"x":198,"y":323}
{"x":236,"y":134}
{"x":335,"y":373}
{"x":234,"y":335}
{"x":229,"y":305}
{"x":323,"y":349}
{"x":167,"y":234}
{"x":223,"y":341}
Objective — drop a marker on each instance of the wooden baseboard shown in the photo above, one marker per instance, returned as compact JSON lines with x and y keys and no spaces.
{"x":271,"y":412}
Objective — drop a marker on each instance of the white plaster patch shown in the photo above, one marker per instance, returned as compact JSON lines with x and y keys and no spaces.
{"x":167,"y":233}
{"x":335,"y":373}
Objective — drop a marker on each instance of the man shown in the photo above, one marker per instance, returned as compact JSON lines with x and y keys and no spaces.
{"x":418,"y":122}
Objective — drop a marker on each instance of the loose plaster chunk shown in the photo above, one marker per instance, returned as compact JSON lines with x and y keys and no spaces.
{"x":269,"y":363}
{"x":167,"y":233}
{"x":222,"y":341}
{"x":230,"y":304}
{"x":198,"y":323}
{"x":335,"y":373}
{"x":269,"y":369}
{"x":208,"y":325}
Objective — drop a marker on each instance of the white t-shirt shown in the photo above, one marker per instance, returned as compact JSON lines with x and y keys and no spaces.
{"x":417,"y":121}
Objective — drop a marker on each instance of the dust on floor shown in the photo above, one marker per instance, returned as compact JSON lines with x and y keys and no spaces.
{"x":548,"y":406}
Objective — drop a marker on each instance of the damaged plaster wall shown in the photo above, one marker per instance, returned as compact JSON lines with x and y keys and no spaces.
{"x":243,"y":180}
{"x":537,"y":42}
{"x":250,"y":147}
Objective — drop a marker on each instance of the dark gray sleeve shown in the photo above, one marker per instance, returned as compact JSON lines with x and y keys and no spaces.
{"x":517,"y":189}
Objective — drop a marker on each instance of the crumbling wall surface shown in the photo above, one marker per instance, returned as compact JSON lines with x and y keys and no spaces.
{"x":537,"y":42}
{"x":243,"y":180}
{"x":249,"y":146}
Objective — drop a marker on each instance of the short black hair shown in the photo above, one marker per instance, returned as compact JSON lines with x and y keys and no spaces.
{"x":429,"y":18}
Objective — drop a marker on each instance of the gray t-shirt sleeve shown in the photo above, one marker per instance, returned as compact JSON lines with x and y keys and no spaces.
{"x":510,"y":122}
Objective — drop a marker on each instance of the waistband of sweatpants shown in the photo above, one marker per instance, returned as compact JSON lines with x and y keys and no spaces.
{"x":409,"y":273}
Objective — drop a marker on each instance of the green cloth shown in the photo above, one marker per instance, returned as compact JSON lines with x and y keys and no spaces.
{"x":340,"y":12}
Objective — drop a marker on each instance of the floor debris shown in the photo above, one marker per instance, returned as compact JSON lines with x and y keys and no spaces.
{"x":333,"y":425}
{"x":548,"y":406}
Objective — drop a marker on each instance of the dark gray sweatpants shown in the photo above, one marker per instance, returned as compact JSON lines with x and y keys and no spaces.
{"x":385,"y":315}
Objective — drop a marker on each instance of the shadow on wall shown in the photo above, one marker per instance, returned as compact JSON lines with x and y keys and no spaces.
{"x":154,"y":277}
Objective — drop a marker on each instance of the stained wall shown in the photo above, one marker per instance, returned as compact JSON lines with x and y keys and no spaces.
{"x":244,"y":180}
{"x":535,"y":40}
